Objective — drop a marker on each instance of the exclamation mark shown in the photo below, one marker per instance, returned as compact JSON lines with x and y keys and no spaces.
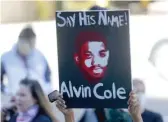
{"x":126,"y":19}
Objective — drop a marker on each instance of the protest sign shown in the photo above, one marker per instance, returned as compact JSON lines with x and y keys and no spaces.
{"x":94,"y":58}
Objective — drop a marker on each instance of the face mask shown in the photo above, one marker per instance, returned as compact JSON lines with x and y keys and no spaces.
{"x":142,"y":100}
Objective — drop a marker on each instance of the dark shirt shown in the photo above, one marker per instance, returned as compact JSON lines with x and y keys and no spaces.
{"x":114,"y":115}
{"x":149,"y":116}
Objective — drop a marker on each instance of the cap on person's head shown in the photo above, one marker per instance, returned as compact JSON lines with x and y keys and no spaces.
{"x":96,"y":7}
{"x":27,"y":33}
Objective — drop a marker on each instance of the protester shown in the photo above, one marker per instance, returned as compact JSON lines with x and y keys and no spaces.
{"x":33,"y":106}
{"x":134,"y":108}
{"x":24,"y":60}
{"x":147,"y":115}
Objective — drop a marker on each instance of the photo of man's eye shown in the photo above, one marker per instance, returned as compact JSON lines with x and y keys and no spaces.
{"x":88,"y":55}
{"x":91,"y":55}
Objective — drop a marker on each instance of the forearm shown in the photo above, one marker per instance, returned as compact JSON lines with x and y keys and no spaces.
{"x":69,"y":118}
{"x":137,"y":119}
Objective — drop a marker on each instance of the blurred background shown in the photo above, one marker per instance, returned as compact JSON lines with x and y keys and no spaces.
{"x":148,"y":25}
{"x":25,"y":11}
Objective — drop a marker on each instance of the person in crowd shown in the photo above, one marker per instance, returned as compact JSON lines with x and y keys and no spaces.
{"x":147,"y":115}
{"x":33,"y":106}
{"x":24,"y":60}
{"x":96,"y":7}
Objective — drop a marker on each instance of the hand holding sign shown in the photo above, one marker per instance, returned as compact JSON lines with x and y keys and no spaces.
{"x":56,"y":97}
{"x":134,"y":107}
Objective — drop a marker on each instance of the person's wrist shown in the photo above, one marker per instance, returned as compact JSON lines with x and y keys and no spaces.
{"x":137,"y":118}
{"x":69,"y":113}
{"x":69,"y":116}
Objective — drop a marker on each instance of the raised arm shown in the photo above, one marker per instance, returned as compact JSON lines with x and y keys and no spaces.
{"x":61,"y":105}
{"x":68,"y":113}
{"x":134,"y":108}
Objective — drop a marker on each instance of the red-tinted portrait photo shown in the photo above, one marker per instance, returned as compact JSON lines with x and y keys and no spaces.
{"x":94,"y":59}
{"x":91,"y":55}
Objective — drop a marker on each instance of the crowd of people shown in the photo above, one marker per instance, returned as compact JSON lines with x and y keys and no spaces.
{"x":29,"y":83}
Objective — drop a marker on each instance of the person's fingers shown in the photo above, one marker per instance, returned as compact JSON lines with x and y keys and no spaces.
{"x":132,"y":92}
{"x":59,"y":107}
{"x":132,"y":96}
{"x":58,"y":94}
{"x":61,"y":100}
{"x":133,"y":104}
{"x":60,"y":104}
{"x":132,"y":99}
{"x":130,"y":108}
{"x":137,"y":106}
{"x":133,"y":108}
{"x":53,"y":96}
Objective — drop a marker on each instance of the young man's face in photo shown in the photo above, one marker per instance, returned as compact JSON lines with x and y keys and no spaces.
{"x":93,"y":58}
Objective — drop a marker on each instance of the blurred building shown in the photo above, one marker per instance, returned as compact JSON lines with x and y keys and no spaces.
{"x":23,"y":11}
